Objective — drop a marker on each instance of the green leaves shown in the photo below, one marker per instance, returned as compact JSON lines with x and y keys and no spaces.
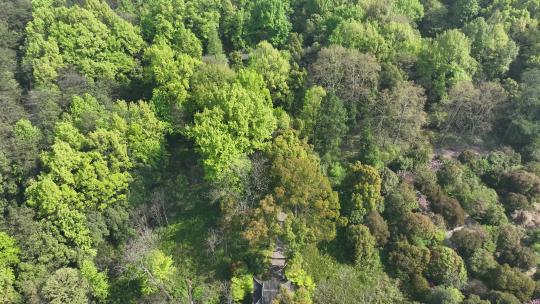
{"x":241,"y":286}
{"x":91,"y":38}
{"x":274,"y":67}
{"x":302,"y":189}
{"x":66,"y":285}
{"x":89,"y":172}
{"x":97,"y":280}
{"x":9,"y":251}
{"x":236,"y":119}
{"x":363,"y":187}
{"x":270,"y":21}
{"x":170,"y":71}
{"x":445,"y":61}
{"x":362,"y":36}
{"x":446,"y":267}
{"x":491,"y":46}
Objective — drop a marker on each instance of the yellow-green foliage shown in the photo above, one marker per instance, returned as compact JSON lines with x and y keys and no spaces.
{"x":97,"y":280}
{"x":241,"y":286}
{"x":92,"y":38}
{"x":296,"y":273}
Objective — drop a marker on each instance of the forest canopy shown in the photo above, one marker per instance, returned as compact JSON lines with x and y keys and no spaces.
{"x":321,"y":151}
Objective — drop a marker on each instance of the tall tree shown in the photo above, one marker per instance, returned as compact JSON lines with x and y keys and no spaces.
{"x":491,"y":47}
{"x":170,"y":73}
{"x":269,"y":20}
{"x":353,"y":76}
{"x":362,"y":188}
{"x":470,"y":110}
{"x":302,"y":189}
{"x":445,"y":61}
{"x":399,"y":115}
{"x":91,"y":38}
{"x":274,"y":67}
{"x":523,"y":124}
{"x":9,"y":258}
{"x":237,"y":119}
{"x":331,"y":127}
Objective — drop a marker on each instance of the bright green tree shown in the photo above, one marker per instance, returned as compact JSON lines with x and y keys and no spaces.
{"x":235,"y":121}
{"x":312,"y":103}
{"x":269,"y":20}
{"x":90,"y":171}
{"x":157,"y":272}
{"x":91,"y":38}
{"x":9,"y":257}
{"x":170,"y":71}
{"x":491,"y":46}
{"x":364,"y":37}
{"x":413,"y":9}
{"x":96,"y":280}
{"x":445,"y":61}
{"x":241,"y":286}
{"x":274,"y":67}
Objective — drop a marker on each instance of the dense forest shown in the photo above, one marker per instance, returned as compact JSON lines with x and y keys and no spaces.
{"x":269,"y":151}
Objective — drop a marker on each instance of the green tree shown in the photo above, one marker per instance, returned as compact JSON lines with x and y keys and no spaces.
{"x":506,"y":279}
{"x":363,"y":192}
{"x":274,"y":67}
{"x":330,"y":127}
{"x":522,"y":126}
{"x":89,"y":172}
{"x":91,"y":38}
{"x":470,"y":240}
{"x":65,"y":286}
{"x":170,"y":72}
{"x":157,"y":272}
{"x":412,"y":9}
{"x":235,"y":121}
{"x":313,"y":100}
{"x":491,"y":46}
{"x":364,"y":37}
{"x":435,"y":17}
{"x":404,"y":42}
{"x":96,"y":280}
{"x":9,"y":258}
{"x":302,"y":189}
{"x":444,"y":295}
{"x":400,"y":201}
{"x":418,"y":228}
{"x":164,"y":22}
{"x":447,"y":267}
{"x":408,"y":260}
{"x":462,"y":11}
{"x":502,"y":298}
{"x":269,"y":20}
{"x":445,"y":61}
{"x":377,"y":289}
{"x":241,"y":286}
{"x":366,"y":256}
